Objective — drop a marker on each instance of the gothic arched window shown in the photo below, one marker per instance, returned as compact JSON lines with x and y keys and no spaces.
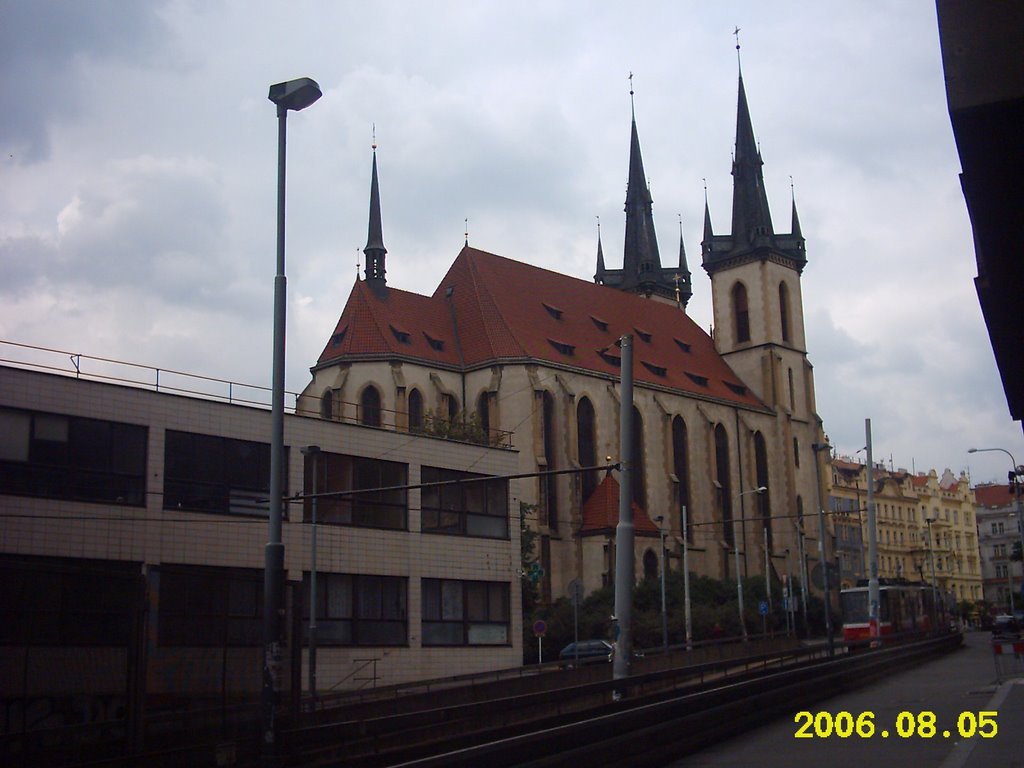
{"x":762,"y":500}
{"x":680,"y":467}
{"x":723,"y":488}
{"x":784,"y":310}
{"x":586,"y":445}
{"x":369,"y":412}
{"x":549,"y":483}
{"x":740,"y":313}
{"x":415,"y":411}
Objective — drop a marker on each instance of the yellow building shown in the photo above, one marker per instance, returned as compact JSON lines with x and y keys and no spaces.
{"x":924,"y":525}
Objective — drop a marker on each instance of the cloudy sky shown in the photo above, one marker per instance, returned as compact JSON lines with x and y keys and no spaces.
{"x":137,"y":203}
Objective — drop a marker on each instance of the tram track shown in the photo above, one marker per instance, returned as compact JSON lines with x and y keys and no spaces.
{"x":657,"y":717}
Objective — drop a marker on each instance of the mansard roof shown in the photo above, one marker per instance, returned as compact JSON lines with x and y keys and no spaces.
{"x":489,"y":310}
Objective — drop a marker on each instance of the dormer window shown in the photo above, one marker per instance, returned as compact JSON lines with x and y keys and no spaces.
{"x":339,"y":337}
{"x":402,"y":336}
{"x":609,"y":358}
{"x":555,"y":312}
{"x":682,"y":345}
{"x":657,"y":370}
{"x":566,"y":349}
{"x":601,"y":324}
{"x":645,"y":336}
{"x":739,"y":389}
{"x":698,"y":379}
{"x":435,"y":344}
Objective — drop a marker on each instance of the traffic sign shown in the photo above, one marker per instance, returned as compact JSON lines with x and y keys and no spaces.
{"x":762,"y":607}
{"x":540,"y":627}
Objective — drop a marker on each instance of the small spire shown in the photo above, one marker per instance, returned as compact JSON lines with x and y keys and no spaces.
{"x":708,"y":233}
{"x":599,"y":275}
{"x":795,"y":231}
{"x":632,"y":106}
{"x":466,"y":232}
{"x":736,"y":34}
{"x":375,"y":250}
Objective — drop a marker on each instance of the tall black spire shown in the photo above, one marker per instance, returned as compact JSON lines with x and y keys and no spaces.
{"x":641,"y":271}
{"x":753,"y":235}
{"x":375,"y":250}
{"x":750,"y":215}
{"x":641,"y":261}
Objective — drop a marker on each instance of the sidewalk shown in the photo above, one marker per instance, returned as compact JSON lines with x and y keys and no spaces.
{"x":961,"y":684}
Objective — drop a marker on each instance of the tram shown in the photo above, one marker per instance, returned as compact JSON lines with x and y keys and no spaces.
{"x":904,"y":607}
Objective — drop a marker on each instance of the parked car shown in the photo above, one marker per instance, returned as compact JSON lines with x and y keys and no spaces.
{"x":1006,"y":627}
{"x":586,"y":651}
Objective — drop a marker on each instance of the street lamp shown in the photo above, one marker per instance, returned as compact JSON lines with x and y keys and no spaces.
{"x":822,"y":549}
{"x":660,"y":519}
{"x":292,"y":95}
{"x":736,"y":550}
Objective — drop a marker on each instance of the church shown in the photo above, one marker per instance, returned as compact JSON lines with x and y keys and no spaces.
{"x":506,"y":353}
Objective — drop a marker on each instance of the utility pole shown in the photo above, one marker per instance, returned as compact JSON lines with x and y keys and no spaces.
{"x":822,"y":548}
{"x":660,"y":520}
{"x":873,"y":598}
{"x":686,"y":582}
{"x":624,"y":533}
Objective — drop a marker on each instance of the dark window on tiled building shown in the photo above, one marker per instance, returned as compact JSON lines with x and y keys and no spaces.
{"x":207,"y":473}
{"x":71,"y":457}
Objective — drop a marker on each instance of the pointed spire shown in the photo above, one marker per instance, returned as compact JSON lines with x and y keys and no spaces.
{"x":375,"y":250}
{"x":797,"y":233}
{"x":682,"y":248}
{"x":708,"y":231}
{"x":641,"y":262}
{"x":599,"y":274}
{"x":750,"y":215}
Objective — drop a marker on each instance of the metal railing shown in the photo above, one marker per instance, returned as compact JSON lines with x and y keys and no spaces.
{"x":167,"y":380}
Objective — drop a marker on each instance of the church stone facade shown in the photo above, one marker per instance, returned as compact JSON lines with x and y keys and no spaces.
{"x":511,"y":353}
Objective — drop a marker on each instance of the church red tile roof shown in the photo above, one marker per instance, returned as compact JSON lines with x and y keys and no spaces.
{"x":491,"y":309}
{"x":601,"y":511}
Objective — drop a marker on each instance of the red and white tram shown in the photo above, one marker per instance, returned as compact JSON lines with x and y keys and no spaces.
{"x":903,"y":608}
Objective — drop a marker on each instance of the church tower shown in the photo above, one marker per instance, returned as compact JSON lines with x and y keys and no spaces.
{"x":755,"y":285}
{"x":642,"y":272}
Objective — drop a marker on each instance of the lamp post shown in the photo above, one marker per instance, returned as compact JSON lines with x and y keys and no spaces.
{"x":313,"y":451}
{"x":292,"y":95}
{"x":822,"y":549}
{"x":660,"y":519}
{"x":931,"y":557}
{"x":736,"y":550}
{"x":1015,"y":472}
{"x":686,"y":580}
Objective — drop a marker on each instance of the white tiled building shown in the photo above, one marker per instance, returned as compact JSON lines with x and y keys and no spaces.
{"x":132,"y":547}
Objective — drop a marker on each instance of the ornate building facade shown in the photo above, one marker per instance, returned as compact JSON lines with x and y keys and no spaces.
{"x":999,"y":512}
{"x":925,"y":528}
{"x":503,"y":350}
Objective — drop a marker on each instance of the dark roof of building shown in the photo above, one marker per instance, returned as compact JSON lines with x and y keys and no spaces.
{"x":489,"y":309}
{"x":993,"y":496}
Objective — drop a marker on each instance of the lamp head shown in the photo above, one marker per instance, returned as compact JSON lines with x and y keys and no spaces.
{"x":294,"y":94}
